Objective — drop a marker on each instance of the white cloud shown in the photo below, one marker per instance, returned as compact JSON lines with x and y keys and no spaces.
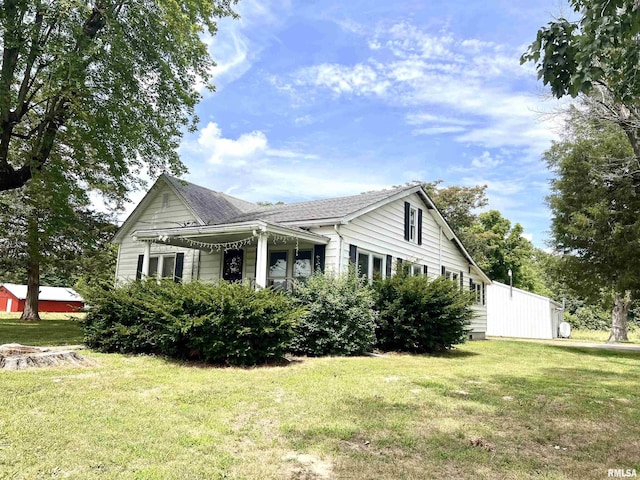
{"x":476,"y":84}
{"x":437,"y":130}
{"x":231,"y":56}
{"x":303,"y":120}
{"x":421,"y":118}
{"x":220,"y":150}
{"x":236,"y":45}
{"x":248,"y":167}
{"x":527,"y":236}
{"x":358,"y":80}
{"x":485,"y":161}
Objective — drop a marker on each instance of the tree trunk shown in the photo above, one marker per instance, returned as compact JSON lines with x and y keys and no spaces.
{"x":30,"y":312}
{"x":619,"y":318}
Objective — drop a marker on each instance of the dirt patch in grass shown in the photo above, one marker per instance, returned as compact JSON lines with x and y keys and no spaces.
{"x":304,"y":466}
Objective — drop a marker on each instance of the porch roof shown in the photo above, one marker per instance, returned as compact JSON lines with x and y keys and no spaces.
{"x":166,"y":234}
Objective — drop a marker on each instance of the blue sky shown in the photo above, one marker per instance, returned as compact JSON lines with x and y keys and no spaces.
{"x":328,"y":98}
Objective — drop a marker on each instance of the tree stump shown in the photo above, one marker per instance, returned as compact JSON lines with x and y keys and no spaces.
{"x":14,"y":356}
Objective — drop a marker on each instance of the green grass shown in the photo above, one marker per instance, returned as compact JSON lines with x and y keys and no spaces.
{"x":54,"y":329}
{"x":494,"y":409}
{"x":601,"y":336}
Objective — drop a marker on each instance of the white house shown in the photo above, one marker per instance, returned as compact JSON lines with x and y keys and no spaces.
{"x":187,"y":232}
{"x":512,"y":312}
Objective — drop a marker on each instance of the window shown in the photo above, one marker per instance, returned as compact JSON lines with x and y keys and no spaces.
{"x":370,"y":265}
{"x":163,"y":266}
{"x":302,"y":267}
{"x":413,"y":220}
{"x":412,"y":223}
{"x":416,"y":270}
{"x":363,"y":264}
{"x":450,"y":275}
{"x":377,"y":268}
{"x":278,"y":269}
{"x":476,"y":288}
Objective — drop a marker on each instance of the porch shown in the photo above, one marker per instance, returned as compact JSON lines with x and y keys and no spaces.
{"x":259,"y":253}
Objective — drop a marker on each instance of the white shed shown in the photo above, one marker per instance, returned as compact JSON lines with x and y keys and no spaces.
{"x":521,"y":314}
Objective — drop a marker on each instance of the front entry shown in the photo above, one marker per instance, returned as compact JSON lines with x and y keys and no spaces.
{"x":232,"y":267}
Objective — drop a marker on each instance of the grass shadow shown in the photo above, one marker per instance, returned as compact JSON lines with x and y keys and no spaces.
{"x":282,"y":362}
{"x":598,"y":352}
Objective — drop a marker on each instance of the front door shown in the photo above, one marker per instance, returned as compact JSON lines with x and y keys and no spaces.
{"x":232,"y":267}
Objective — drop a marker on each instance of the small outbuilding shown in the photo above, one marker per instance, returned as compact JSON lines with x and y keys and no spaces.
{"x":51,"y":299}
{"x":512,"y":312}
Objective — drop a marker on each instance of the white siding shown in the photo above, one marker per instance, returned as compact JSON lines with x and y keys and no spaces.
{"x":210,"y":266}
{"x":523,"y":315}
{"x":331,"y":251}
{"x":174,"y":214}
{"x":382,"y":231}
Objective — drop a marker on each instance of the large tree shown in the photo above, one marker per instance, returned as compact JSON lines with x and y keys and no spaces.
{"x":48,"y":224}
{"x":595,"y":202}
{"x":498,"y":246}
{"x":595,"y":55}
{"x":107,"y":86}
{"x":492,"y":241}
{"x":459,"y":205}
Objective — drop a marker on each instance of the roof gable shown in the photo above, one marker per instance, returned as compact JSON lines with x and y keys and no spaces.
{"x":207,"y":206}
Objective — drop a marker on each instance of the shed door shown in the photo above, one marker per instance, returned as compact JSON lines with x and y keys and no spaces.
{"x":9,"y":302}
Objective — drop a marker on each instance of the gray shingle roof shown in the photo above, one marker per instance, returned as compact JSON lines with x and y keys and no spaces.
{"x":212,"y":207}
{"x":329,"y":208}
{"x":217,"y":207}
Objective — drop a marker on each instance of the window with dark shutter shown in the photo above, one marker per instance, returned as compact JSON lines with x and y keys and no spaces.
{"x":424,"y":270}
{"x":461,"y":280}
{"x":407,"y":211}
{"x":177,"y":277}
{"x":139,"y":267}
{"x":389,"y":265}
{"x":419,"y":226}
{"x":444,"y":270}
{"x":353,"y":254}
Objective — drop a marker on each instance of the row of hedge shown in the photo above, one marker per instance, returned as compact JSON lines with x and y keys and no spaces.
{"x":233,"y":324}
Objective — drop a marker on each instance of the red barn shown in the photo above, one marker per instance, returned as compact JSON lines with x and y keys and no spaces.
{"x":51,"y":299}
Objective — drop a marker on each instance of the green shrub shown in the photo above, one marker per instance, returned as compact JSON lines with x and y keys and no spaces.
{"x":339,"y":318}
{"x":421,"y":316}
{"x":224,"y":323}
{"x":589,"y":317}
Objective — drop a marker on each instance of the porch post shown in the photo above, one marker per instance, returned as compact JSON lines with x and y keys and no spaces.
{"x":145,"y":260}
{"x":261,"y":261}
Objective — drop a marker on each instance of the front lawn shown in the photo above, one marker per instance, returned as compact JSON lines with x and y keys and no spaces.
{"x":494,"y":409}
{"x":53,"y":329}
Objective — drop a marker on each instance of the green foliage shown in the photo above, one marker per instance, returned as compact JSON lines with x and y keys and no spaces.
{"x":595,"y":202}
{"x":103,"y":88}
{"x":458,"y":204}
{"x":493,"y":243}
{"x":498,"y":247}
{"x":421,"y":316}
{"x":339,"y":318}
{"x":589,"y":317}
{"x":600,"y":48}
{"x":225,"y":323}
{"x":72,"y":240}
